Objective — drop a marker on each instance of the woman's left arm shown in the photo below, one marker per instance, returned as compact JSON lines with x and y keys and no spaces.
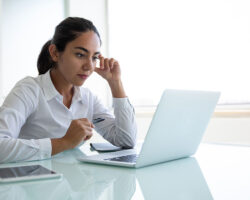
{"x":121,"y":130}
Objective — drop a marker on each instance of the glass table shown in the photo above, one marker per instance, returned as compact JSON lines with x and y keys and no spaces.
{"x":214,"y":172}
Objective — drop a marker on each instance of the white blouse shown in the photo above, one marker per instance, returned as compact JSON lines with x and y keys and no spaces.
{"x":34,"y":112}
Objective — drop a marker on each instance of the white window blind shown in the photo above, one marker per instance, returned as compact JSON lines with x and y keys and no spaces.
{"x":196,"y":44}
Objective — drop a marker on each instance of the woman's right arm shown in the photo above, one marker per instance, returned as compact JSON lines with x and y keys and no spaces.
{"x":18,"y":105}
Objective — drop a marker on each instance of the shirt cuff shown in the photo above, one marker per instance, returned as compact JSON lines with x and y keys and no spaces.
{"x":45,"y":148}
{"x":121,"y":102}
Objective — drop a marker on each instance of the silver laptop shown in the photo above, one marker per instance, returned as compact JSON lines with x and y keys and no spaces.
{"x":176,"y":130}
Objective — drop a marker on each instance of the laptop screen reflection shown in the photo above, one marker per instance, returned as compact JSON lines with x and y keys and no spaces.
{"x":180,"y":179}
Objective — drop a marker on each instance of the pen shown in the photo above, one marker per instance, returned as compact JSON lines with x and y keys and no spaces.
{"x":97,"y":120}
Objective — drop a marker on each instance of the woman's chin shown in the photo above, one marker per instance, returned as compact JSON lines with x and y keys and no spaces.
{"x":79,"y":83}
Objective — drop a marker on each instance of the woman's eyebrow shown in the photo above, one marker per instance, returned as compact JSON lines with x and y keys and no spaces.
{"x":86,"y":50}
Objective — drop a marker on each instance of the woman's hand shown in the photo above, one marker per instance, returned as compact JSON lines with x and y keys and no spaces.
{"x":79,"y":130}
{"x":109,"y":69}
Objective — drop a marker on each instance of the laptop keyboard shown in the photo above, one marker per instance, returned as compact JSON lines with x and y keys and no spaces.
{"x":128,"y":158}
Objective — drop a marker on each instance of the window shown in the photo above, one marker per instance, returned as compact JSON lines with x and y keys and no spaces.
{"x":201,"y":45}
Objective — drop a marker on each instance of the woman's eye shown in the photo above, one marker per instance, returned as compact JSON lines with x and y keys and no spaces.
{"x":95,"y":58}
{"x":79,"y":55}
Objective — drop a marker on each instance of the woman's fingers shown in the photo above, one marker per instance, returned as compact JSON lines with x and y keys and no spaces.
{"x":88,"y":136}
{"x":79,"y":130}
{"x":106,"y":64}
{"x":111,"y":63}
{"x":87,"y":128}
{"x":86,"y":122}
{"x":101,"y":61}
{"x":109,"y":68}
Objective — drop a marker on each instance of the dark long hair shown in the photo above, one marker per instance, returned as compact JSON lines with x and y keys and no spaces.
{"x":65,"y":32}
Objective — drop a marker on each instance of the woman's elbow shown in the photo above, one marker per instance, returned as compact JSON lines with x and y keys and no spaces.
{"x":130,"y":142}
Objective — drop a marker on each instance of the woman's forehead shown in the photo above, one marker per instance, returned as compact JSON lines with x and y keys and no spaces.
{"x":88,"y":40}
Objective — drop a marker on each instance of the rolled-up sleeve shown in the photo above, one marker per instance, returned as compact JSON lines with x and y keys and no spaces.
{"x":18,"y":105}
{"x":119,"y":128}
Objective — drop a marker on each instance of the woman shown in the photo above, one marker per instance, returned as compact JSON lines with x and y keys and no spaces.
{"x":51,"y":113}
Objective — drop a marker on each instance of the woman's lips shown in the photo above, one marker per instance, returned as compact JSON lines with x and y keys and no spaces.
{"x":83,"y":76}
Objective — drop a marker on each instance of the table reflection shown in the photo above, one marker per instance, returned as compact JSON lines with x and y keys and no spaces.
{"x":39,"y":190}
{"x":180,"y":179}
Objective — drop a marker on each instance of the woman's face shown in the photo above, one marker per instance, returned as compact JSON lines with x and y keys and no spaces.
{"x":77,"y":62}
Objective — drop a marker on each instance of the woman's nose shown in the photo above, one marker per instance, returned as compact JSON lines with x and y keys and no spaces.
{"x":89,"y":65}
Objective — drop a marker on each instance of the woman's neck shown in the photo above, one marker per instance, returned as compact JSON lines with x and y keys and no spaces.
{"x":61,"y":85}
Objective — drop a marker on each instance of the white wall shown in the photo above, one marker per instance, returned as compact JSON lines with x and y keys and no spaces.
{"x":26,"y":26}
{"x":229,"y":131}
{"x":95,"y":10}
{"x":219,"y":130}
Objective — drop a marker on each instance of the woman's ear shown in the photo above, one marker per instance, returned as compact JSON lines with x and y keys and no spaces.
{"x":53,"y":52}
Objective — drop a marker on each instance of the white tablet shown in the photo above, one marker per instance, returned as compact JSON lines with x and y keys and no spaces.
{"x":25,"y":173}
